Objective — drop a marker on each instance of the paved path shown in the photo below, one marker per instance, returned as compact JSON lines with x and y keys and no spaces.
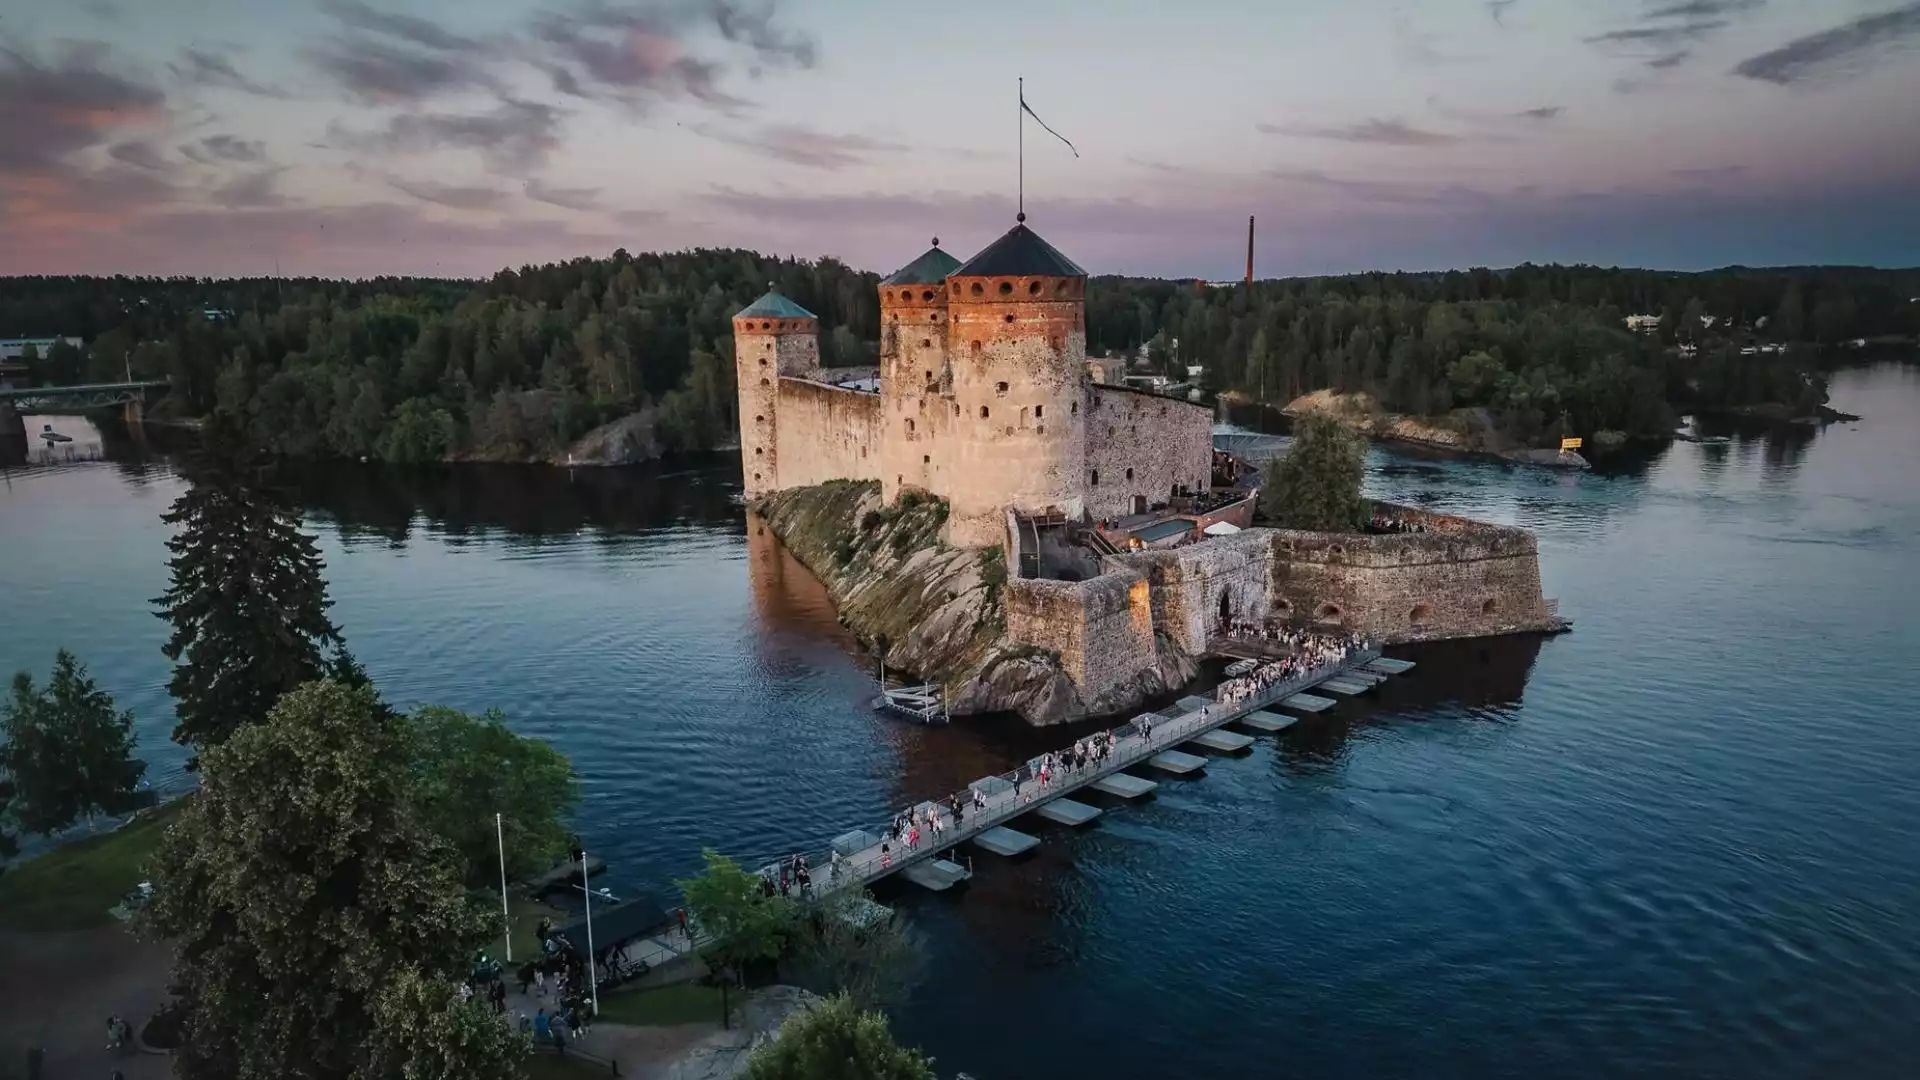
{"x":59,"y":987}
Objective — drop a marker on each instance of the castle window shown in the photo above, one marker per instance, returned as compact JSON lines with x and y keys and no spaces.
{"x":1008,"y":317}
{"x":764,"y":382}
{"x":759,"y":419}
{"x":909,"y":425}
{"x":926,"y":343}
{"x":1328,"y":613}
{"x":756,"y":477}
{"x":1336,"y":550}
{"x":1006,"y":288}
{"x":1055,"y":342}
{"x":1112,"y":431}
{"x":936,"y":316}
{"x":763,"y":361}
{"x":1129,"y":474}
{"x":978,"y":289}
{"x":863,"y":451}
{"x":956,"y":288}
{"x":906,"y":294}
{"x":929,"y":378}
{"x":1039,"y":411}
{"x":1033,"y":288}
{"x":757,"y":451}
{"x":976,"y":348}
{"x":956,"y":408}
{"x":1489,"y":606}
{"x":926,"y":294}
{"x":983,"y":412}
{"x":1094,"y":477}
{"x":1420,"y":614}
{"x":1000,"y":388}
{"x":1074,"y":409}
{"x":926,"y":459}
{"x":1061,"y":288}
{"x":766,"y":326}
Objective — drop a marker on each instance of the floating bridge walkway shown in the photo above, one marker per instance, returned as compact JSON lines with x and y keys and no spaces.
{"x":1148,"y":741}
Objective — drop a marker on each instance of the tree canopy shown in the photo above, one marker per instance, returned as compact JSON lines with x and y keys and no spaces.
{"x":247,"y":600}
{"x":320,"y":924}
{"x":850,"y":945}
{"x":733,"y":906}
{"x":67,"y":750}
{"x":837,"y":1041}
{"x":1315,"y":485}
{"x":468,"y":768}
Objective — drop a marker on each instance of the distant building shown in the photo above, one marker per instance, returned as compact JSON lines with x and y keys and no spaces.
{"x":1643,"y":324}
{"x":15,"y":348}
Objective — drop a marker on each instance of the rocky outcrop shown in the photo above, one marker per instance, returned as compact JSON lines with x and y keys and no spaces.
{"x":1462,"y":430}
{"x":627,"y":441}
{"x":724,"y":1054}
{"x":934,"y":611}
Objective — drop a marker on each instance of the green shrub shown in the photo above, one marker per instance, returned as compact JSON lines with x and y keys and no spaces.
{"x":871,"y":520}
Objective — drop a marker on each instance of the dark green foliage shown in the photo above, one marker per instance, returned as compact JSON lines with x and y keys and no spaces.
{"x":871,"y":520}
{"x":1315,"y":485}
{"x":516,"y":367}
{"x":1542,"y":348}
{"x":68,"y":752}
{"x":319,"y":924}
{"x":247,"y":601}
{"x":469,"y":768}
{"x":837,"y":1041}
{"x":9,"y":846}
{"x":731,"y":904}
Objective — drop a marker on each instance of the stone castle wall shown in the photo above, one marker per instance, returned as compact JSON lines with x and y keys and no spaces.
{"x":916,"y":389}
{"x":1018,"y":434}
{"x":765,"y":351}
{"x":1101,"y":629}
{"x":1194,"y":586}
{"x":825,"y":433}
{"x":1142,"y":446}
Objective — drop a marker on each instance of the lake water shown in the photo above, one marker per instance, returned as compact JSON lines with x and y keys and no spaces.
{"x":1678,"y":842}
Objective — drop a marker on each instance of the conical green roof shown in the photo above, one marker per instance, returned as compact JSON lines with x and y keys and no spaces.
{"x":930,"y":268}
{"x":774,"y":306}
{"x":1020,"y":253}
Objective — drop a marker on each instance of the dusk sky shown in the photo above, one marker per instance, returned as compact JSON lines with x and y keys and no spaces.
{"x":454,"y":137}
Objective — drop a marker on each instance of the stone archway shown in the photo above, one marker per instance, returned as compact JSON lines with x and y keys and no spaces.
{"x":1226,"y":607}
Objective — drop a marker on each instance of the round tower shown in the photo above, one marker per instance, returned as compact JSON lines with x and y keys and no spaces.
{"x":916,"y":384}
{"x":772,"y":337}
{"x":1018,"y":344}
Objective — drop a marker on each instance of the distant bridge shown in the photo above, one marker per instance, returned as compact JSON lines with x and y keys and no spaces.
{"x":1250,"y":446}
{"x":86,"y":396}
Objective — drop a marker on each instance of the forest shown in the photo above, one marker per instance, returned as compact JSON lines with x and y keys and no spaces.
{"x":518,"y":367}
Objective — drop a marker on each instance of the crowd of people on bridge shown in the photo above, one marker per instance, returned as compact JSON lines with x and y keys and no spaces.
{"x":1306,"y":651}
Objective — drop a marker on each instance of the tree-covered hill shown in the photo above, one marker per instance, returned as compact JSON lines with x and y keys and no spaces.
{"x":519,"y":366}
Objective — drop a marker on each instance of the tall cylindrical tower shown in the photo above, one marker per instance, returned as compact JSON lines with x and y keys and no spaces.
{"x":1017,"y":340}
{"x":773,"y":336}
{"x":916,"y":385}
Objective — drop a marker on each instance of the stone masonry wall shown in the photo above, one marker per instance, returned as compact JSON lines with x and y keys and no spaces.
{"x":916,"y":389}
{"x":1194,"y":585}
{"x":1018,"y":436}
{"x":764,"y":351}
{"x":1141,"y":446}
{"x":1102,"y":629}
{"x":826,"y":433}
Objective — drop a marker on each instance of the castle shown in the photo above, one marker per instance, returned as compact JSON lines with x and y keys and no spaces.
{"x":983,"y":399}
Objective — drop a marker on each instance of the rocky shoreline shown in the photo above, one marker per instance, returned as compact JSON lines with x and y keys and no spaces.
{"x":1464,"y":431}
{"x":933,"y":611}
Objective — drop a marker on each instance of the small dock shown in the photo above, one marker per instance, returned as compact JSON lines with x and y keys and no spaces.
{"x":564,"y":876}
{"x":1308,"y":703}
{"x":1222,"y":741}
{"x":1068,"y":812}
{"x":921,"y":704}
{"x":1386,"y":665}
{"x":1267,"y":722}
{"x":1124,"y":785}
{"x":937,"y":875}
{"x":1346,"y":687}
{"x":1177,"y":763}
{"x":1007,"y":842}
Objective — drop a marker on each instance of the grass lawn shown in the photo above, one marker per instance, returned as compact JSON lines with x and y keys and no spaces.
{"x":680,"y":1003}
{"x":73,"y":886}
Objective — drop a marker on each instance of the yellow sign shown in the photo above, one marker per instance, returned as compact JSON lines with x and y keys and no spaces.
{"x":1571,"y":444}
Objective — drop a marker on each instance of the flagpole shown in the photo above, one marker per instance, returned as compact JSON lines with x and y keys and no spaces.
{"x":506,"y":913}
{"x":1021,"y":114}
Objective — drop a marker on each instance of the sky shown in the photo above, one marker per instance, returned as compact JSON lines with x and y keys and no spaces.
{"x":358,"y":138}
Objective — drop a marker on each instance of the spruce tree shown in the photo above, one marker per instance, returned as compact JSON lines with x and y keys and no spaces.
{"x":68,"y":751}
{"x":248,"y":603}
{"x":1315,"y":485}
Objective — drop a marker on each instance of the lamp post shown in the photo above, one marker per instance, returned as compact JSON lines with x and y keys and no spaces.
{"x":506,"y":916}
{"x":593,"y":973}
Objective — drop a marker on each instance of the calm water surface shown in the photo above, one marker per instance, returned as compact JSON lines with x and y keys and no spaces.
{"x":1678,"y":842}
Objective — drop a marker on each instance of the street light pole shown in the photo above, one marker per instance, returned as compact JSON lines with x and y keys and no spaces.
{"x":593,"y":973}
{"x":506,"y":916}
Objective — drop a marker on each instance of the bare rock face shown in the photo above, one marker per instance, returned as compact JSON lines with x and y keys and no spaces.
{"x":724,"y":1054}
{"x":626,"y":441}
{"x":1028,"y":683}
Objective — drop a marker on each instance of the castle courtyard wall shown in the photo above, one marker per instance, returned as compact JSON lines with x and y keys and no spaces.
{"x":1193,"y":586}
{"x":826,"y":433}
{"x":1142,"y":446}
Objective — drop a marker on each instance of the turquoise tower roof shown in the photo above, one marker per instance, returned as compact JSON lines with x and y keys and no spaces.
{"x":930,"y":268}
{"x":774,"y":306}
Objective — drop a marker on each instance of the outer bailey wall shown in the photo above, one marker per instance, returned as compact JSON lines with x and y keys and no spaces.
{"x":1102,"y":629}
{"x":1189,"y":584}
{"x":826,"y":433}
{"x":1143,"y":445}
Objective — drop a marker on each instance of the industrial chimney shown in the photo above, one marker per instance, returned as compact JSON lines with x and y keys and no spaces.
{"x":1249,"y":251}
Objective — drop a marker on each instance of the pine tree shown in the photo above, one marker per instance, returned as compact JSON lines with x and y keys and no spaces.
{"x":248,"y":603}
{"x":68,"y":752}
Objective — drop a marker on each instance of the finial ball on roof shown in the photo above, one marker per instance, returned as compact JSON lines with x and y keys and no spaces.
{"x":936,"y":241}
{"x":1021,"y":217}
